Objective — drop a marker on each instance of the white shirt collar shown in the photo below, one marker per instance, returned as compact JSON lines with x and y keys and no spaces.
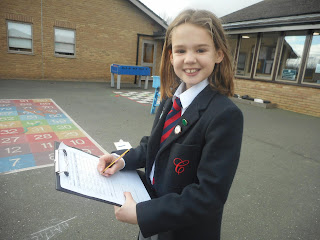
{"x":187,"y":96}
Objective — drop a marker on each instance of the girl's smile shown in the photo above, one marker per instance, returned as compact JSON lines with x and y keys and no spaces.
{"x":193,"y":53}
{"x":191,"y":71}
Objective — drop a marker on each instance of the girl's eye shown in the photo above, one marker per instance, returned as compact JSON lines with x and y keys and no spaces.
{"x":201,"y":50}
{"x":180,"y":51}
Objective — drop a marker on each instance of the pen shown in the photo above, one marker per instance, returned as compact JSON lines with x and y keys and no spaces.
{"x":116,"y":160}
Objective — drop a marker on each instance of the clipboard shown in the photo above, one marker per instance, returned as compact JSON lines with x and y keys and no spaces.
{"x":109,"y":190}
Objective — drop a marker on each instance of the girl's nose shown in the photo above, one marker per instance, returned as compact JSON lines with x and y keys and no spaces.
{"x":190,"y":58}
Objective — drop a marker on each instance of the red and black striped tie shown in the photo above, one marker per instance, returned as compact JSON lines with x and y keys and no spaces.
{"x":171,"y":120}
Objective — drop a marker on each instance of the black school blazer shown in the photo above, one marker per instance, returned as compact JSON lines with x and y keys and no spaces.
{"x":194,"y":169}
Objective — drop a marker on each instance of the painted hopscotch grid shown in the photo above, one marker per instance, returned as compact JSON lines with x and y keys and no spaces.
{"x":28,"y":129}
{"x":145,"y":98}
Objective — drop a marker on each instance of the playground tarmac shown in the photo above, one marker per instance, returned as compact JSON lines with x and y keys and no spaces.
{"x":275,"y":194}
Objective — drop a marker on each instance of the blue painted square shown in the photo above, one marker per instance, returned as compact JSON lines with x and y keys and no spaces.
{"x":8,"y":113}
{"x":55,"y":116}
{"x":57,"y":121}
{"x":31,"y":117}
{"x":7,"y":109}
{"x":16,"y":162}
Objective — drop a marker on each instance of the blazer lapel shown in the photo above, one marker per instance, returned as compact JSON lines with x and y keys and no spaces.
{"x":158,"y":127}
{"x":154,"y":140}
{"x":190,"y":116}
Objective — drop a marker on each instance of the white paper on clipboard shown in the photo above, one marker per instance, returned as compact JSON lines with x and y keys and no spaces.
{"x":80,"y":176}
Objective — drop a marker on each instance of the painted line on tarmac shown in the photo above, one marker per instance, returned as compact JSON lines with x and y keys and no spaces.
{"x":27,"y":169}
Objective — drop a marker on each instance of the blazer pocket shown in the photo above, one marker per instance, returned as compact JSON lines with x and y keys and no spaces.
{"x":182,"y":166}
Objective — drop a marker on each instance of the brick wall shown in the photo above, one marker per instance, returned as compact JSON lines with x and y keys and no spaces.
{"x":106,"y":32}
{"x":289,"y":97}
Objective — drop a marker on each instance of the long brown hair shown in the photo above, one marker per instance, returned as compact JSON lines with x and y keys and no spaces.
{"x":221,"y":78}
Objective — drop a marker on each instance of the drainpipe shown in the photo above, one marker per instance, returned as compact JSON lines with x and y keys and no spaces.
{"x":42,"y":70}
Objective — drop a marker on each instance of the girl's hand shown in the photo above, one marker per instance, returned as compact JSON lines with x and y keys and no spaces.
{"x":105,"y":161}
{"x":127,"y":213}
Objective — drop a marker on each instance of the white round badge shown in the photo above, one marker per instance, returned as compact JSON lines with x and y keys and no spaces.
{"x":177,"y":129}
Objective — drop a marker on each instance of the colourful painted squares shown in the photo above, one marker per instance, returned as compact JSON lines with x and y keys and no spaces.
{"x":28,"y":129}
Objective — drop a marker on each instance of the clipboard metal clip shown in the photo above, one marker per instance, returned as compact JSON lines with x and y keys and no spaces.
{"x":61,"y":167}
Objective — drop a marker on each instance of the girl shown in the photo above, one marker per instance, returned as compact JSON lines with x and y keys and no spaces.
{"x":190,"y":161}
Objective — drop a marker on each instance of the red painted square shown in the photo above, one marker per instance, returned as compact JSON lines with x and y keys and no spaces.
{"x":42,"y":137}
{"x":78,"y":142}
{"x":14,"y":139}
{"x":11,"y":131}
{"x":42,"y":146}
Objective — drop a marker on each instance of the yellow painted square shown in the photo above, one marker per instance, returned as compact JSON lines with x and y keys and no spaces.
{"x":39,"y":129}
{"x":11,"y":124}
{"x":70,"y":134}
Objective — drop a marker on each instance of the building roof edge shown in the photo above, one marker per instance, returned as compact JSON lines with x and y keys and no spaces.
{"x":288,"y":20}
{"x":150,"y":13}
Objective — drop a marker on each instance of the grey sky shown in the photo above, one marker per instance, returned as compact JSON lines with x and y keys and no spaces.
{"x":170,"y":8}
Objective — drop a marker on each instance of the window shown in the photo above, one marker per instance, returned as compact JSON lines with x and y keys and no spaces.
{"x":64,"y":42}
{"x":291,"y":54}
{"x":266,"y":55}
{"x":148,"y":52}
{"x":246,"y":52}
{"x":19,"y":37}
{"x":312,"y":72}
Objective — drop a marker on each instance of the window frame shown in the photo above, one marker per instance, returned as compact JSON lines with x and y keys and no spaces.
{"x":236,"y":38}
{"x":8,"y":37}
{"x":54,"y":43}
{"x":307,"y":49}
{"x":302,"y":62}
{"x":253,"y":56}
{"x":274,"y":60}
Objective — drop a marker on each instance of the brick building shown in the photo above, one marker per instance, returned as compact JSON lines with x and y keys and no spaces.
{"x":77,"y":40}
{"x":276,"y":50}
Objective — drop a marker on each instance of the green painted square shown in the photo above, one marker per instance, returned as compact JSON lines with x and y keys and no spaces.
{"x":33,"y":123}
{"x":9,"y":118}
{"x":63,"y":127}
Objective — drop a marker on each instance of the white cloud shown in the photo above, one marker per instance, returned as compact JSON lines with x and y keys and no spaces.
{"x":170,"y":8}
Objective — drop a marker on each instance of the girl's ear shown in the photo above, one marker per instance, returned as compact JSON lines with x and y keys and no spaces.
{"x":219,"y":56}
{"x":170,"y":56}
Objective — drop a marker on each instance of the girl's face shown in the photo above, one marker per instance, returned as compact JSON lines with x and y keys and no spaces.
{"x":193,"y":54}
